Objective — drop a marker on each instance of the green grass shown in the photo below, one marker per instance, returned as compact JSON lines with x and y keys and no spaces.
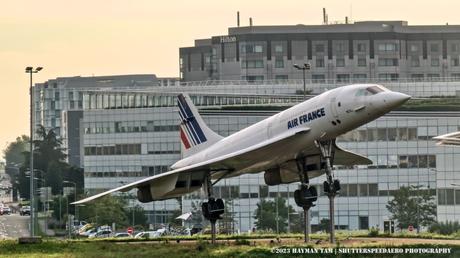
{"x":102,"y":249}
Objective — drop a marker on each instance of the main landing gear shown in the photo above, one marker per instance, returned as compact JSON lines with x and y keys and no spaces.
{"x":305,"y":196}
{"x":212,"y":209}
{"x":331,"y":186}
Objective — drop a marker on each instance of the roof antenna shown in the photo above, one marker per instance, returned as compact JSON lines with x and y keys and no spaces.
{"x":238,"y":18}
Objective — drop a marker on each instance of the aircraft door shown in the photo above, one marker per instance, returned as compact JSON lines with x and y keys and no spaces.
{"x":334,"y":105}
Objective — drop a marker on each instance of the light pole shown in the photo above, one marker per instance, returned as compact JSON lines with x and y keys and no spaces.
{"x":305,"y":67}
{"x":30,"y":70}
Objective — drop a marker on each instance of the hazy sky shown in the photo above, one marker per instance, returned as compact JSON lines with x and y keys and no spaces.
{"x":107,"y":37}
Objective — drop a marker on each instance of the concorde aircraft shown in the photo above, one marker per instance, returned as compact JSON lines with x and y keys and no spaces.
{"x":292,"y":146}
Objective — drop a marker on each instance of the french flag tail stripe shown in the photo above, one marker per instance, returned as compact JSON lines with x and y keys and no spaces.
{"x":190,"y":134}
{"x":184,"y":139}
{"x":198,"y":130}
{"x":189,"y":119}
{"x":188,"y":112}
{"x":186,"y":119}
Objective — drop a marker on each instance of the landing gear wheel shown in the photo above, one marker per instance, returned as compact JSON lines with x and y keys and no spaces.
{"x":213,"y":209}
{"x":305,"y":196}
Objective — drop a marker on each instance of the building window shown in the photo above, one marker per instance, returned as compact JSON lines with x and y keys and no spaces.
{"x":251,"y":48}
{"x":320,"y":62}
{"x":454,"y":47}
{"x":340,"y":62}
{"x":253,"y":78}
{"x":317,"y":78}
{"x":279,"y":63}
{"x":415,"y":62}
{"x":252,"y":64}
{"x":340,"y":47}
{"x":359,"y":77}
{"x":433,"y":76}
{"x":434,"y":62}
{"x":279,"y":48}
{"x":417,"y":76}
{"x":388,"y":47}
{"x":434,"y":47}
{"x":281,"y":77}
{"x":361,"y":47}
{"x":454,"y":61}
{"x":319,"y":48}
{"x":343,"y":77}
{"x":388,"y":76}
{"x":388,"y":62}
{"x":361,"y":62}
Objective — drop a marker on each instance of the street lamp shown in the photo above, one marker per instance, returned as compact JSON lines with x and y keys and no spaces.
{"x":30,"y":70}
{"x":305,"y":66}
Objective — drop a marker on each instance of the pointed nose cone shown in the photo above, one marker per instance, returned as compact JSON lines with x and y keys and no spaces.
{"x":396,"y":99}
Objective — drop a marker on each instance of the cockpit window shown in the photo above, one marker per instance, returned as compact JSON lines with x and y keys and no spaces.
{"x":374,"y":89}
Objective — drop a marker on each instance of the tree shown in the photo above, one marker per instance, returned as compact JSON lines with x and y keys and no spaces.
{"x":265,"y":214}
{"x":227,"y":223}
{"x":412,"y":205}
{"x":13,"y":154}
{"x":139,"y":216}
{"x":49,"y":163}
{"x":14,"y":158}
{"x":105,"y":211}
{"x":172,"y":218}
{"x":197,"y":214}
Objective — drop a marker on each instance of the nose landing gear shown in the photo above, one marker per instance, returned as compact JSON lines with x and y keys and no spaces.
{"x":331,"y":186}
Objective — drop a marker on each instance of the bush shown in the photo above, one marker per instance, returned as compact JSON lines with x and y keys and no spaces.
{"x":444,"y":228}
{"x":373,"y":232}
{"x":242,"y":242}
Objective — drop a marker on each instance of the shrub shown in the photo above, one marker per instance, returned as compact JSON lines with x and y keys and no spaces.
{"x":373,"y":232}
{"x":444,"y":228}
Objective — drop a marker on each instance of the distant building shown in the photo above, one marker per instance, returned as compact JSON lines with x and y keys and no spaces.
{"x":62,"y":98}
{"x":384,"y":50}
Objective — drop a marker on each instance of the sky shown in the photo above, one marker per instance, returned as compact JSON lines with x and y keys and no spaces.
{"x":109,"y":37}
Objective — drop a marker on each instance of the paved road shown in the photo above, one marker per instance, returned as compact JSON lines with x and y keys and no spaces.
{"x":14,"y":226}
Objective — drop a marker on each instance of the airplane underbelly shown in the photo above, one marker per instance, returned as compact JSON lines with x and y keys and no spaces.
{"x":276,"y":155}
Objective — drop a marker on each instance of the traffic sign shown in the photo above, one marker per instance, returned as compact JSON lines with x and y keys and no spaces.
{"x":130,"y":230}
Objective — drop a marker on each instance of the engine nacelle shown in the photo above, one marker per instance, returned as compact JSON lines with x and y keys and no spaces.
{"x":276,"y":176}
{"x":144,"y":194}
{"x":288,"y":172}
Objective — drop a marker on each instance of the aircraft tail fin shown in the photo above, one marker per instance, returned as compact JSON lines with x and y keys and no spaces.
{"x":195,"y":135}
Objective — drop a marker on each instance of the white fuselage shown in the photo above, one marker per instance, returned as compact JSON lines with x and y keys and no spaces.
{"x":327,"y":115}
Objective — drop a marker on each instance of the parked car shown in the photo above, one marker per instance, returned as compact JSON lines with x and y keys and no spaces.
{"x":101,"y":234}
{"x":25,"y":210}
{"x":88,"y":232}
{"x":6,"y":210}
{"x":123,"y":235}
{"x":148,"y":234}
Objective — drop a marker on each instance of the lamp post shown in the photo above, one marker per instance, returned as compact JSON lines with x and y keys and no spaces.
{"x":305,"y":67}
{"x":30,"y":70}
